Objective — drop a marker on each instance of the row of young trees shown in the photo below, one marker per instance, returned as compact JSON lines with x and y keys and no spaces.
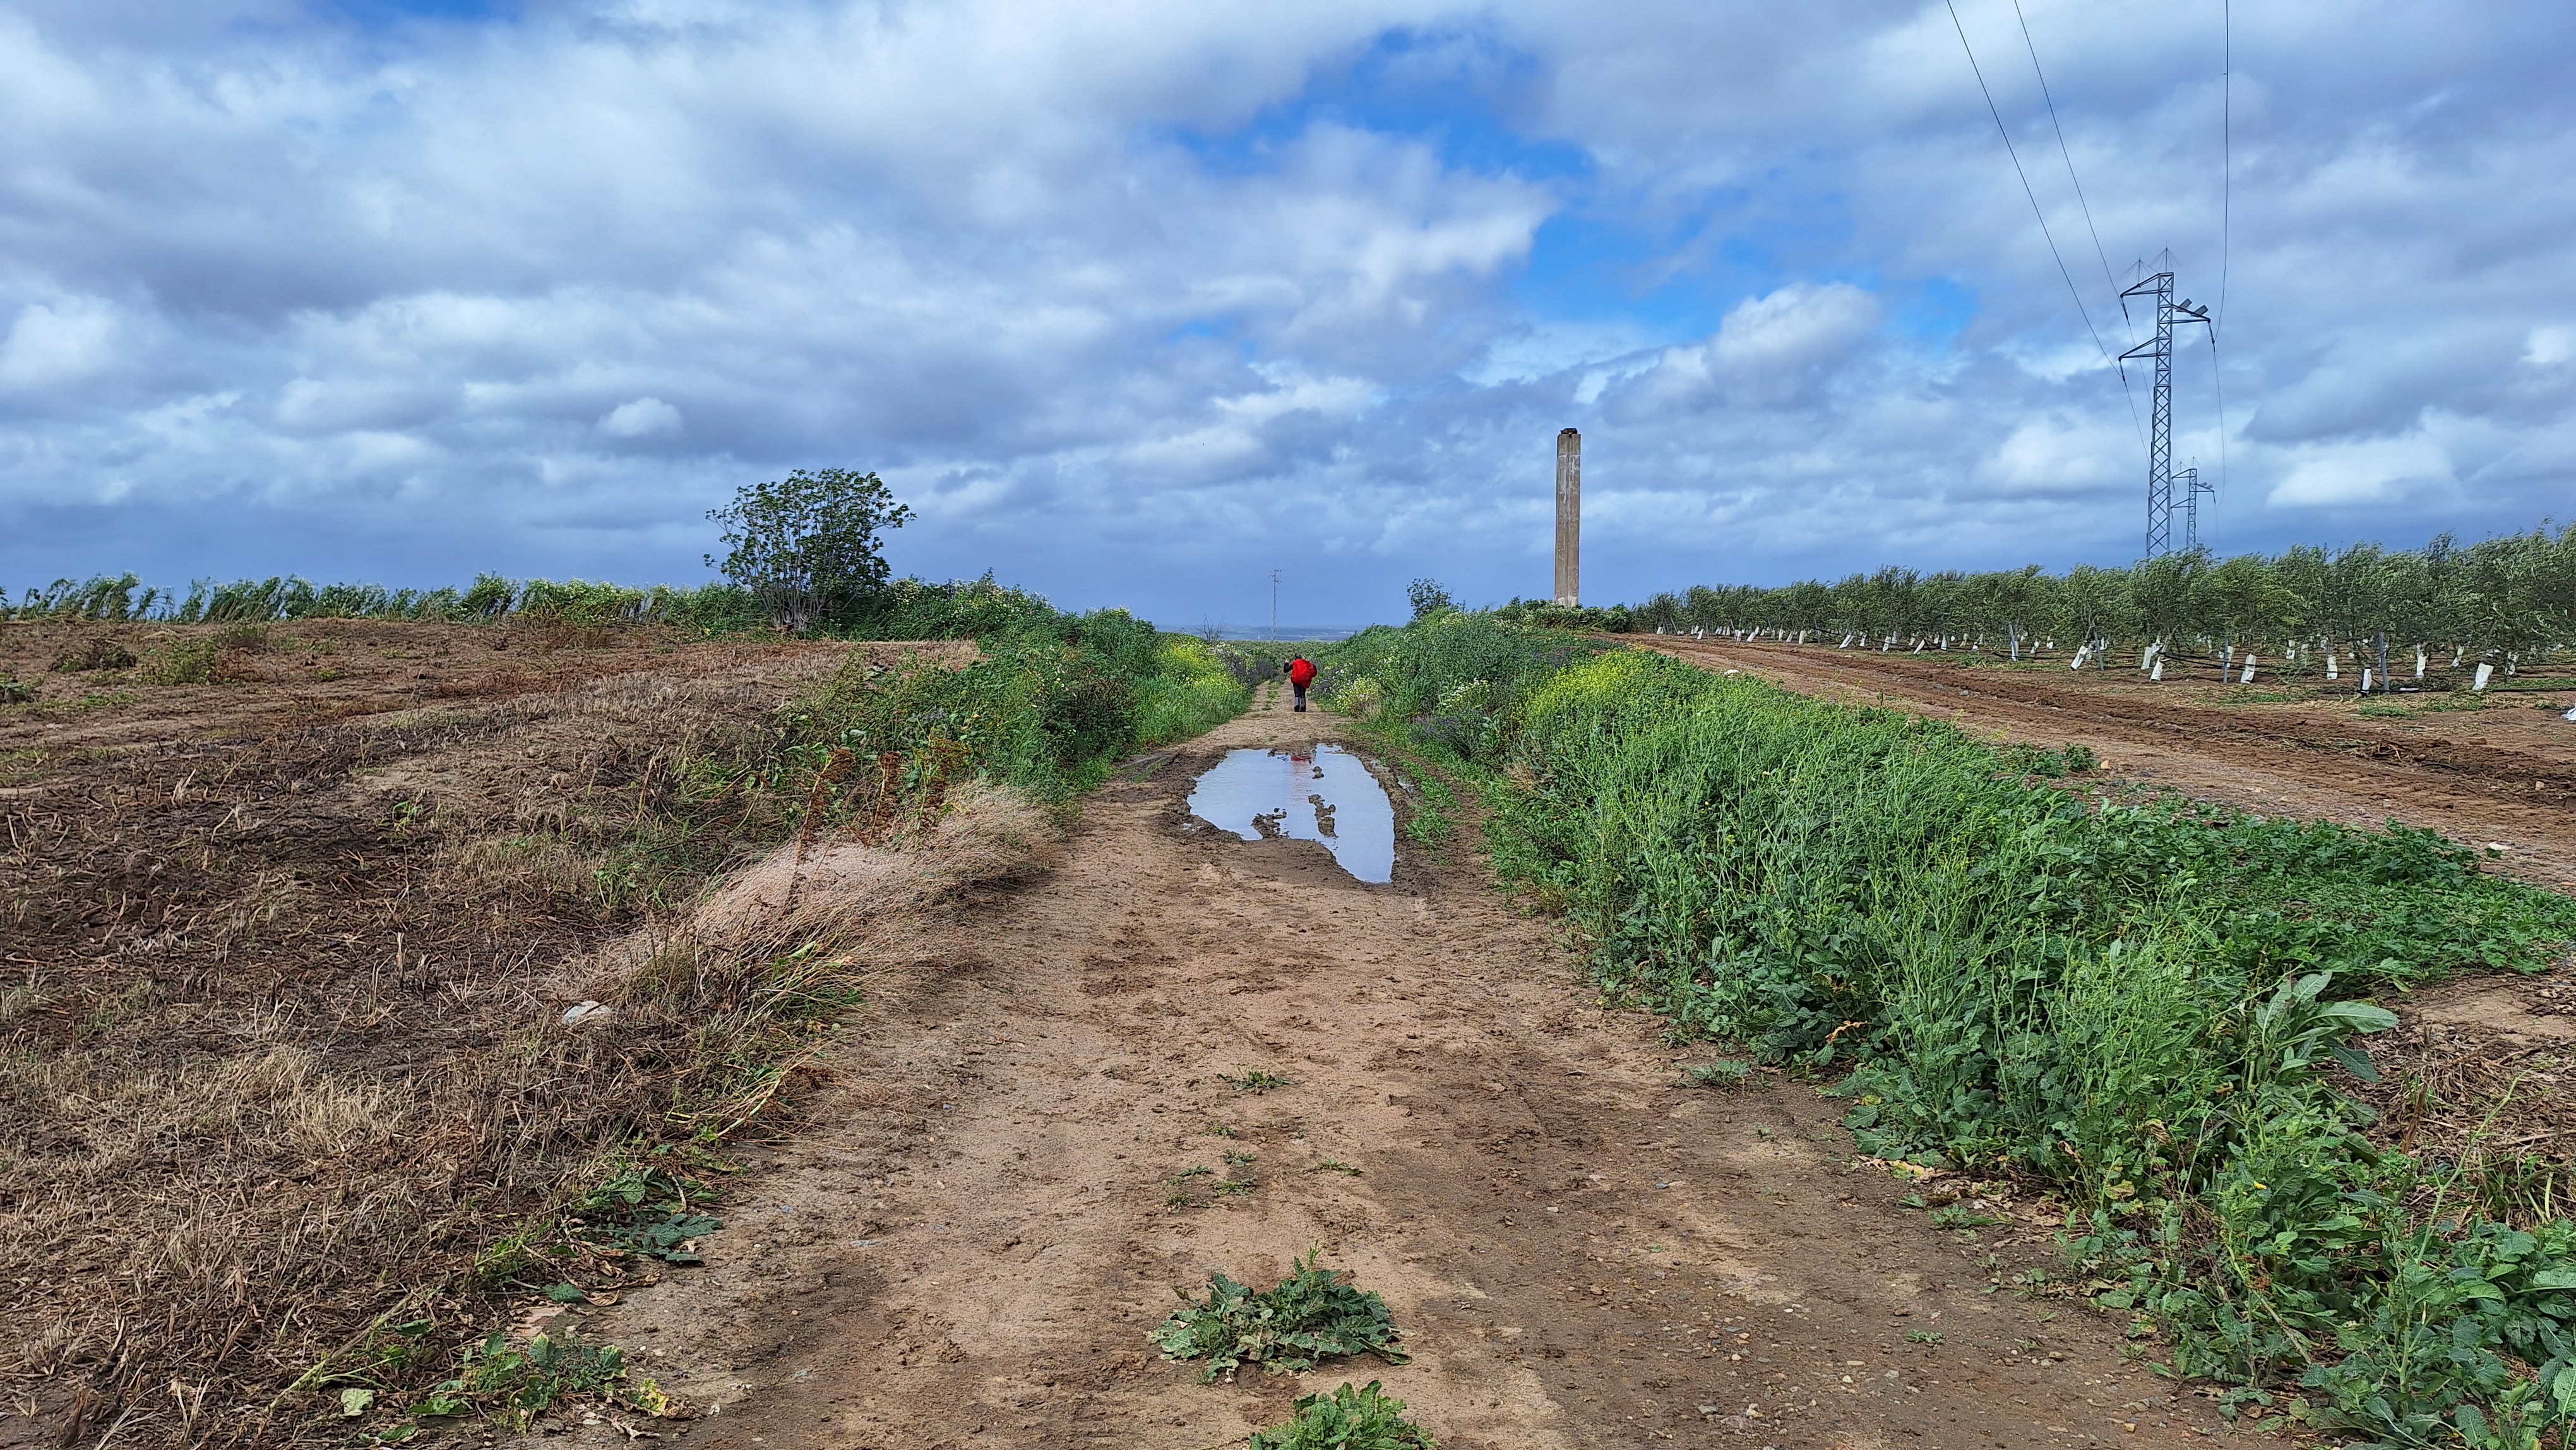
{"x":2512,"y":597}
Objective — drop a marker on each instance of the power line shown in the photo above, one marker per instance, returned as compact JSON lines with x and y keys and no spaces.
{"x":2226,"y":154}
{"x":2015,"y":154}
{"x":2069,"y":157}
{"x":2098,"y":254}
{"x":2219,"y":385}
{"x":2226,"y":208}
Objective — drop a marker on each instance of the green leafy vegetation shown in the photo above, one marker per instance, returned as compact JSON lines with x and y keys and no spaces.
{"x":712,"y":608}
{"x":1726,"y":1072}
{"x":1254,"y":1080}
{"x":646,"y":1211}
{"x":2509,"y":600}
{"x":96,"y":652}
{"x":1428,"y":598}
{"x":2151,"y":1009}
{"x":1346,"y":1419}
{"x":806,"y":546}
{"x":1051,"y":704}
{"x":515,"y":1384}
{"x":1313,"y":1313}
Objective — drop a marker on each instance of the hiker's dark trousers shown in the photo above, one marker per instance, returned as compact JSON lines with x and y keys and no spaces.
{"x":1301,"y":695}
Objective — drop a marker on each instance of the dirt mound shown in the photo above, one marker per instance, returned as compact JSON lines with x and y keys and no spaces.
{"x":840,"y":887}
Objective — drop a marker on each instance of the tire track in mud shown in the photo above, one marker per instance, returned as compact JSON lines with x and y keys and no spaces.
{"x":2348,"y":771}
{"x":968,"y":1239}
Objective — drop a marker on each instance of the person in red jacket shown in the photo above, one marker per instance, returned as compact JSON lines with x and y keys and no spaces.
{"x":1301,"y":673}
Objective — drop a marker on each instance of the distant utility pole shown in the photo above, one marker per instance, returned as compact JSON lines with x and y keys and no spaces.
{"x":2192,"y":489}
{"x":1569,"y":517}
{"x":2160,"y":286}
{"x":1274,"y":606}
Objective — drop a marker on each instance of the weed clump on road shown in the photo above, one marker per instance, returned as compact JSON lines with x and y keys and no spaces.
{"x":1346,"y":1419}
{"x":1726,"y":1072}
{"x":2155,"y":1009}
{"x":1313,"y":1313}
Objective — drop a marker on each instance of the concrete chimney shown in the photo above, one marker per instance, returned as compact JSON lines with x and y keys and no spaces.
{"x":1569,"y":517}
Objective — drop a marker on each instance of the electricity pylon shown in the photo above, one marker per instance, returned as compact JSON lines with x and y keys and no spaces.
{"x":2160,"y":286}
{"x":2192,"y":489}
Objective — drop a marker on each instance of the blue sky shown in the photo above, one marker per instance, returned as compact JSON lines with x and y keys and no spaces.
{"x":1136,"y":302}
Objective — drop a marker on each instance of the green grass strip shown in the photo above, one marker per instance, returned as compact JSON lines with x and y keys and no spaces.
{"x":2151,"y":1008}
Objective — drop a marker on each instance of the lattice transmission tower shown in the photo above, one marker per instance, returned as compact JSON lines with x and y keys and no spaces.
{"x":2192,"y":488}
{"x":2160,"y":477}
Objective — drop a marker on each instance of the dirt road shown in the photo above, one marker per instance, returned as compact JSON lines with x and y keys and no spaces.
{"x":2504,"y":774}
{"x":968,"y":1239}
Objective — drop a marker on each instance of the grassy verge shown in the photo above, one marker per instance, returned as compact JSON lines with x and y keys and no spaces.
{"x":2156,"y":1010}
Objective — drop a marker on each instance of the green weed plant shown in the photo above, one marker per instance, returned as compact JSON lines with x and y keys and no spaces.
{"x":1313,"y":1313}
{"x":514,"y":1385}
{"x":1366,"y":1418}
{"x":646,"y":1211}
{"x":2149,"y":1007}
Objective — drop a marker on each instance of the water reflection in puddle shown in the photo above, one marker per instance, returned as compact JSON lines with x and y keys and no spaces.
{"x":1318,"y":793}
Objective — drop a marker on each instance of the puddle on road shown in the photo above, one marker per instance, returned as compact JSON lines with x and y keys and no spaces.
{"x":1318,"y":793}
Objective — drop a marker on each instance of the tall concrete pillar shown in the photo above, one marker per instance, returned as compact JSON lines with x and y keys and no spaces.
{"x":1569,"y":517}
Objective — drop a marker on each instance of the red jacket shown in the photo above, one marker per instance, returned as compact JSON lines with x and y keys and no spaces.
{"x":1301,"y":672}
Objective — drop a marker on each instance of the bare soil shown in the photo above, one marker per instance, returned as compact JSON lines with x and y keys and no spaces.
{"x":283,"y":954}
{"x":969,"y":1238}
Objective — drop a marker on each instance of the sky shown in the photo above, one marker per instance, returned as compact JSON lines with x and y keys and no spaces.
{"x":1136,"y":301}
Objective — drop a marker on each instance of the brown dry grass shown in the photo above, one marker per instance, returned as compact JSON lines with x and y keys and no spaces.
{"x":282,"y":985}
{"x":2476,"y":1077}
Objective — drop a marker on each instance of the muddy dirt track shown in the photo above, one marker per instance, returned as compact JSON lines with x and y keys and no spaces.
{"x":968,"y":1238}
{"x":2504,"y":774}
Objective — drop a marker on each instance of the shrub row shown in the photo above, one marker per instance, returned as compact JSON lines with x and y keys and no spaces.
{"x":2153,"y":1008}
{"x":1054,"y":701}
{"x":713,"y":608}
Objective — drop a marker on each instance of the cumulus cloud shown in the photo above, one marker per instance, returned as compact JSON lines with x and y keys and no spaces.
{"x":642,"y":418}
{"x":52,"y":343}
{"x":2367,"y":472}
{"x":1138,"y":302}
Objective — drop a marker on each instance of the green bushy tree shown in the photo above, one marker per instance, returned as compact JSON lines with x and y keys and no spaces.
{"x":1428,"y":598}
{"x":807,"y":545}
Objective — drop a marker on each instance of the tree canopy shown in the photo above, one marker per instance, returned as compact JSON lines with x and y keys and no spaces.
{"x":807,"y":545}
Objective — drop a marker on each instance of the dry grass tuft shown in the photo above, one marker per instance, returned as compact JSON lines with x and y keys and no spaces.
{"x":281,"y":1046}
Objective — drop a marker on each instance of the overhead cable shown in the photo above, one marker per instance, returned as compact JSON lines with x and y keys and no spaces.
{"x":2069,"y":157}
{"x":2013,"y":152}
{"x":2226,"y":207}
{"x":2226,"y":151}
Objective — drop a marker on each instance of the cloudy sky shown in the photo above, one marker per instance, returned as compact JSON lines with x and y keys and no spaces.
{"x":1137,"y":300}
